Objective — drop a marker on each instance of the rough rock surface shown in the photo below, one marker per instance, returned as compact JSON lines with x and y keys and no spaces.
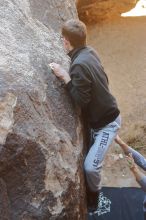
{"x":40,"y":133}
{"x":92,"y":11}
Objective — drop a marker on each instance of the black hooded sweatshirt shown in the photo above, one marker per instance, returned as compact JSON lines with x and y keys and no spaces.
{"x":89,"y":88}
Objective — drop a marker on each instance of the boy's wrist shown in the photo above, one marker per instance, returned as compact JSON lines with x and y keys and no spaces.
{"x":66,"y":78}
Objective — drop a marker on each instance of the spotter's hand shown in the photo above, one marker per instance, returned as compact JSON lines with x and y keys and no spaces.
{"x":130,"y":161}
{"x":60,"y":72}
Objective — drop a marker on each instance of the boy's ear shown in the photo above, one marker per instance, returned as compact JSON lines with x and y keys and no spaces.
{"x":66,"y":41}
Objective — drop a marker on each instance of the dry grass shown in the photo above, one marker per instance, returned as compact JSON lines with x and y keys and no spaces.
{"x":135,"y":136}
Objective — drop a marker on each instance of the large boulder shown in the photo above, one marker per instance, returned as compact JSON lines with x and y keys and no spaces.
{"x":92,"y":11}
{"x":41,"y":143}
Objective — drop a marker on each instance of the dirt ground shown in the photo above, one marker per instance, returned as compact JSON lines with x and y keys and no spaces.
{"x":121,"y":44}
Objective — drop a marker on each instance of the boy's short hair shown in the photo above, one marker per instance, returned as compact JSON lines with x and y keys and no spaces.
{"x":75,"y":32}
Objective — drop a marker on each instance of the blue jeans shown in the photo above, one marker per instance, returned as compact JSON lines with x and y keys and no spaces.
{"x":94,"y":159}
